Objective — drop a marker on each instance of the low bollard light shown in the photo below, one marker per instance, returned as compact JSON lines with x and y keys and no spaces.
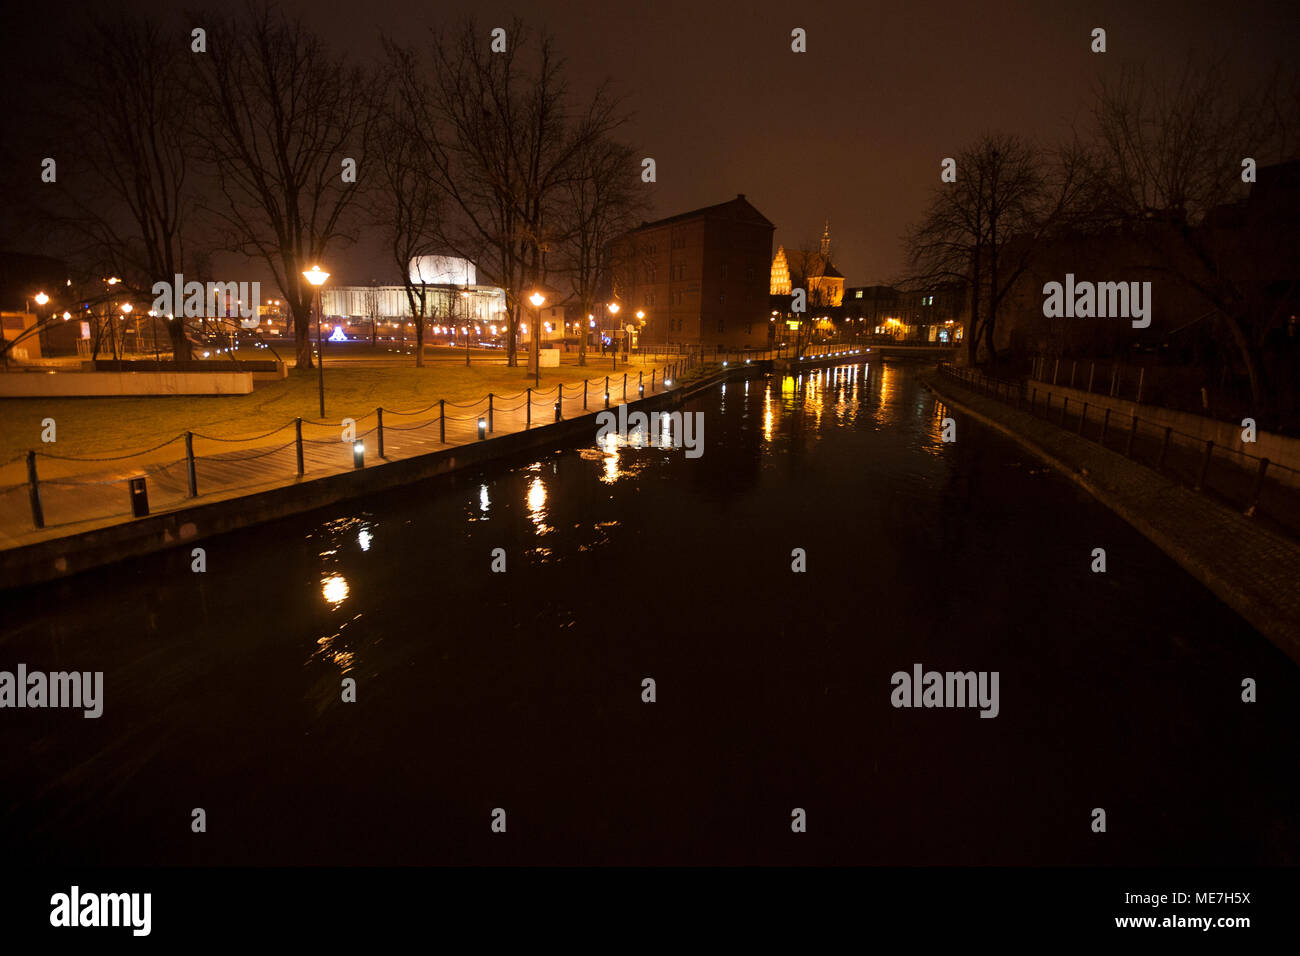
{"x":482,"y":428}
{"x":667,"y":382}
{"x":139,"y":497}
{"x":641,"y":390}
{"x":358,"y":454}
{"x":557,"y":411}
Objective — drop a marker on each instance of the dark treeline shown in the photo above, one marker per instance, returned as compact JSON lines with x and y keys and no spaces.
{"x":1159,"y":168}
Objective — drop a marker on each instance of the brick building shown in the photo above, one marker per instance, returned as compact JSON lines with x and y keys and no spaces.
{"x":700,"y":278}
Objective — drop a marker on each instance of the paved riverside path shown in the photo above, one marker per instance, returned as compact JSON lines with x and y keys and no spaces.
{"x":85,"y":494}
{"x":1253,"y":570}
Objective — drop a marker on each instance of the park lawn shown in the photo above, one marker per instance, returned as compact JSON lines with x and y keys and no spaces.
{"x":114,"y":426}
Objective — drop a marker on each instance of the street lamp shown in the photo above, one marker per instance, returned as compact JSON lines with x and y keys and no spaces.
{"x":42,"y":298}
{"x":534,"y":356}
{"x":613,"y":345}
{"x":316,"y":276}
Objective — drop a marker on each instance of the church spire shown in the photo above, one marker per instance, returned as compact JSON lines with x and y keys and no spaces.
{"x":826,"y":240}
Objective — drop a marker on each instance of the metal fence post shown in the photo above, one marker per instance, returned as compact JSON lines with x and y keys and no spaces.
{"x":1205,"y":465}
{"x":1142,"y":374}
{"x":442,"y":421}
{"x":189,"y":462}
{"x":559,"y":400}
{"x":1083,"y":417}
{"x":1065,"y":407}
{"x":625,"y":386}
{"x":1164,"y":448}
{"x":1105,"y":420}
{"x":1092,"y":370}
{"x":528,"y":415}
{"x":379,"y":413}
{"x":297,"y":427}
{"x":491,"y":423}
{"x":1132,"y":433}
{"x":584,"y":394}
{"x":1258,"y":489}
{"x":34,"y":491}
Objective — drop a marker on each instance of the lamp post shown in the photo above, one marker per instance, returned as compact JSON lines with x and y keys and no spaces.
{"x":534,"y":355}
{"x":317,"y":278}
{"x":465,"y":295}
{"x":613,"y":308}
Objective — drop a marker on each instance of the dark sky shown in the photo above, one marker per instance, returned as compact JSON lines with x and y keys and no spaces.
{"x":855,"y":128}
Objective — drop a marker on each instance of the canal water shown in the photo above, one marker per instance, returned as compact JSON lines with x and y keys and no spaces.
{"x":523,"y":690}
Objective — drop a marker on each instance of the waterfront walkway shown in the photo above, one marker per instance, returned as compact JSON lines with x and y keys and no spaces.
{"x":1251,"y":568}
{"x":78,"y":494}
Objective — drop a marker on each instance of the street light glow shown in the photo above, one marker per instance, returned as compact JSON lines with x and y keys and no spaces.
{"x":316,"y":276}
{"x":42,"y":298}
{"x":537,"y":299}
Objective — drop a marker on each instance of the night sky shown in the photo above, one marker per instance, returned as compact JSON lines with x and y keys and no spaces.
{"x":854,"y":129}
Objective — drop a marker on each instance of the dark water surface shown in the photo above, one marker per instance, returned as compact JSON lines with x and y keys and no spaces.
{"x":522,"y":690}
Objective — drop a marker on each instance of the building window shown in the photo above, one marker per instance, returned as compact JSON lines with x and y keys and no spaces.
{"x":859,"y":294}
{"x":721,"y":325}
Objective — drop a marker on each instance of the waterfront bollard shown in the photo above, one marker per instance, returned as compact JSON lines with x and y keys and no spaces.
{"x":358,"y":454}
{"x":557,"y":411}
{"x":625,"y":386}
{"x":34,"y":491}
{"x":297,"y":428}
{"x":139,"y":496}
{"x":584,"y":394}
{"x":559,"y":400}
{"x":189,"y":461}
{"x":442,"y":421}
{"x":379,"y":413}
{"x":1083,"y":417}
{"x":490,"y":416}
{"x":482,"y":428}
{"x":528,"y":415}
{"x":607,"y":391}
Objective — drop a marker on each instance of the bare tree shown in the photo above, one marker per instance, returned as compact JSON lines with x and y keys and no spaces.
{"x":127,"y":110}
{"x":809,"y":272}
{"x":603,"y":201}
{"x":280,"y":117}
{"x":407,"y":201}
{"x":1172,"y":151}
{"x":982,"y":230}
{"x":501,"y":139}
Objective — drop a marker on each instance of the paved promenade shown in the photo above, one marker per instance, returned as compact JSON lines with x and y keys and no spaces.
{"x":1252,"y":569}
{"x":80,"y":494}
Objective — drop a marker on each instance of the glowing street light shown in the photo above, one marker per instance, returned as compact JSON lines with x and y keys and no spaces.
{"x":317,"y":276}
{"x":42,"y":298}
{"x":534,"y":355}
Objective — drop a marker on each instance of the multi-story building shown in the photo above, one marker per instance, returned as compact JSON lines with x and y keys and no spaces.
{"x":700,"y":278}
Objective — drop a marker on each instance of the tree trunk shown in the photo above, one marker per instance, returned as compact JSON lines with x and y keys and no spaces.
{"x":302,"y":335}
{"x":180,"y":342}
{"x":419,"y":343}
